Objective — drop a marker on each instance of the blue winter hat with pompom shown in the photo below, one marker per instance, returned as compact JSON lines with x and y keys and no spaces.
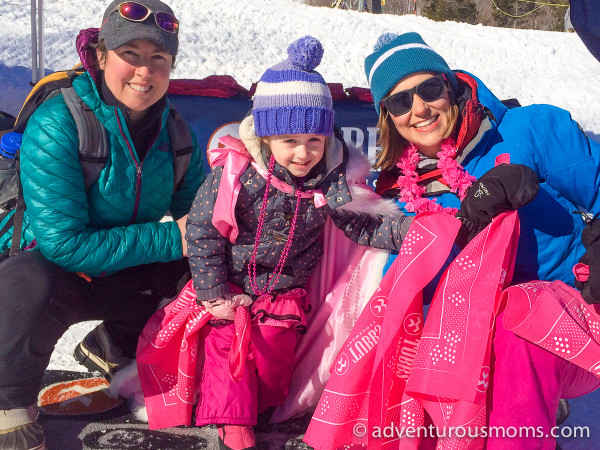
{"x":291,"y":97}
{"x":397,"y":56}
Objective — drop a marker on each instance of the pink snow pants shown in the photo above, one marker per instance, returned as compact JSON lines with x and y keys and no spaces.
{"x":264,"y":383}
{"x":527,"y":384}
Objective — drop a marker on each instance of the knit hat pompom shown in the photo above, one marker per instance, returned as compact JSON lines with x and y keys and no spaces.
{"x":384,"y":39}
{"x":305,"y":53}
{"x":396,"y":56}
{"x":291,"y":97}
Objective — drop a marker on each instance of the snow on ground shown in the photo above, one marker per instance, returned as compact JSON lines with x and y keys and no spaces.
{"x":242,"y":38}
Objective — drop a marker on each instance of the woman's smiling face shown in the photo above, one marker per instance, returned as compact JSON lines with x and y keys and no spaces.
{"x":137,"y":74}
{"x":426,"y":124}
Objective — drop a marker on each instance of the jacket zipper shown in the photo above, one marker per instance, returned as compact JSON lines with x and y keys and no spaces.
{"x":138,"y":171}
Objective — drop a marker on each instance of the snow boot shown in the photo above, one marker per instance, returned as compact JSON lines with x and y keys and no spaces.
{"x":236,"y":437}
{"x":19,"y":429}
{"x":562,"y":414}
{"x":97,"y":352}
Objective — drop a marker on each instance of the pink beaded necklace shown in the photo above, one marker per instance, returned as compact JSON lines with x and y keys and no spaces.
{"x":288,"y":243}
{"x":457,"y":178}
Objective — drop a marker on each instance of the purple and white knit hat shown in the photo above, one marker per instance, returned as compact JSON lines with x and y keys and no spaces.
{"x":291,"y":97}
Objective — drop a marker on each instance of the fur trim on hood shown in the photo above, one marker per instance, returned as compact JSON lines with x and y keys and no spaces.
{"x":364,"y":199}
{"x":334,"y":154}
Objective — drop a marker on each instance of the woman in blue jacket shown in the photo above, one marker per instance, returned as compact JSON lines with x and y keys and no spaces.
{"x":440,"y":130}
{"x":100,"y":253}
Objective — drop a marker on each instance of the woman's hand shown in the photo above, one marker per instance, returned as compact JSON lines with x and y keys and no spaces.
{"x":181,"y":224}
{"x":505,"y":187}
{"x":224,"y":307}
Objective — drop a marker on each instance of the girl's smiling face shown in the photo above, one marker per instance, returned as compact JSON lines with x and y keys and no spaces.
{"x":426,"y":124}
{"x":137,"y":74}
{"x":298,"y":153}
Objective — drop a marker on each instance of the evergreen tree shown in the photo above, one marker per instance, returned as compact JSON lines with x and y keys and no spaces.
{"x":455,"y":10}
{"x":496,"y":13}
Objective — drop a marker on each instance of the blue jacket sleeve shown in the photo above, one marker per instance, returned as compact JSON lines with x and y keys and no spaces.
{"x":566,"y":159}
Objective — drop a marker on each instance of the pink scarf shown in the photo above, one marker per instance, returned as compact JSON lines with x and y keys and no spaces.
{"x":167,"y":352}
{"x":166,"y":367}
{"x":555,"y":317}
{"x":387,"y":375}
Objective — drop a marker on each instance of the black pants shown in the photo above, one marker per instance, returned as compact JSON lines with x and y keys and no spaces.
{"x":39,"y":301}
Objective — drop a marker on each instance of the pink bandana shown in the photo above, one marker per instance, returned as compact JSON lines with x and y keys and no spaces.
{"x":394,"y":366}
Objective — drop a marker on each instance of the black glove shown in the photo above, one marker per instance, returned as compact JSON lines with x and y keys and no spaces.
{"x":591,"y":232}
{"x":505,"y":187}
{"x":590,"y":237}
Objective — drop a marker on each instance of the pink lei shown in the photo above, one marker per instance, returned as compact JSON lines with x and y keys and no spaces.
{"x":456,"y":177}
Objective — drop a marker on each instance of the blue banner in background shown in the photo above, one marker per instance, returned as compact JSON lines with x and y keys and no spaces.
{"x":213,"y":117}
{"x":585,"y":18}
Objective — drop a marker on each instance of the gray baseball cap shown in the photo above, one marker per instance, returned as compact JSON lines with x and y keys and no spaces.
{"x":117,"y":30}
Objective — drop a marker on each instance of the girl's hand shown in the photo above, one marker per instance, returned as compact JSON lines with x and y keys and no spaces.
{"x":224,"y":307}
{"x":181,"y":224}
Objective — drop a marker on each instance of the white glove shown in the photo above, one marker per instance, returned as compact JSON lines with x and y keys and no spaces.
{"x":224,"y":307}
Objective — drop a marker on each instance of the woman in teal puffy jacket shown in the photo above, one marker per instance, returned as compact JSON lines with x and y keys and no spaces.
{"x":101,"y":253}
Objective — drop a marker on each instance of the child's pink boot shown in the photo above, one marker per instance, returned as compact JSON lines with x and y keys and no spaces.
{"x":236,"y":437}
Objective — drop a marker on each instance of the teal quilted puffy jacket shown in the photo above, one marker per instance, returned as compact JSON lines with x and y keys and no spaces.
{"x":116,"y":224}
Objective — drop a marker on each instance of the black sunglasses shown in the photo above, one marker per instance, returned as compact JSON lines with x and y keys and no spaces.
{"x":430,"y":90}
{"x":136,"y":12}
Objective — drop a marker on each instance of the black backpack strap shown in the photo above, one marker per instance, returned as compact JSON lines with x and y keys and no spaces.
{"x":182,"y":145}
{"x":17,"y":217}
{"x":93,"y":143}
{"x":511,"y":103}
{"x":93,"y":148}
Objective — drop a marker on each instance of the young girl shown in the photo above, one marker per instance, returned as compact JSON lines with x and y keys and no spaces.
{"x":253,"y":240}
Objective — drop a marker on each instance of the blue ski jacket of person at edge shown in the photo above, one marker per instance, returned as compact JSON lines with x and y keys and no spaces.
{"x":566,"y":162}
